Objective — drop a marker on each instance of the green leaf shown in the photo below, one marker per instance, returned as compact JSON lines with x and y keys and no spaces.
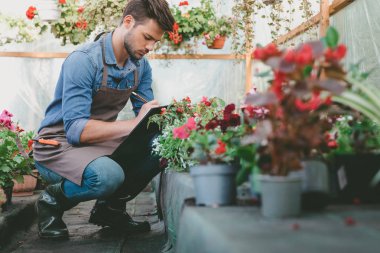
{"x":307,"y":70}
{"x":332,"y":37}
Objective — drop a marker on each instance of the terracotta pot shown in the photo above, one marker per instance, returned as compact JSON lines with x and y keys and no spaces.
{"x":26,"y":188}
{"x":218,"y":43}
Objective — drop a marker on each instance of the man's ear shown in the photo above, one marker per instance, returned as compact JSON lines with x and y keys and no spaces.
{"x":128,"y":21}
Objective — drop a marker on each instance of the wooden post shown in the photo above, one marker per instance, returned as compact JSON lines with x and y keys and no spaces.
{"x":325,"y":18}
{"x":248,"y":71}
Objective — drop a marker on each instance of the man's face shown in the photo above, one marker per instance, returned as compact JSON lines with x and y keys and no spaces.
{"x":140,"y":39}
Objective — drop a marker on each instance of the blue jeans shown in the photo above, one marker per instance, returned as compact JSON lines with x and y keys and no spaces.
{"x":101,"y":178}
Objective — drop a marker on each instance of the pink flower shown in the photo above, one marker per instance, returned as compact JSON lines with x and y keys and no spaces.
{"x":181,"y":132}
{"x":205,"y":101}
{"x":6,"y":120}
{"x":191,"y":124}
{"x":207,"y":36}
{"x":217,"y":36}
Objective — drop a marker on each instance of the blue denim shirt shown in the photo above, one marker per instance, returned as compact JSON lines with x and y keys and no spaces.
{"x":80,"y":77}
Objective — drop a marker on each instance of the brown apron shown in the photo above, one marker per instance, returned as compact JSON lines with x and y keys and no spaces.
{"x":70,"y":161}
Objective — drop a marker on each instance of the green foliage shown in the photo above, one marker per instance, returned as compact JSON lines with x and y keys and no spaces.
{"x":12,"y":163}
{"x":355,"y":135}
{"x":332,"y":37}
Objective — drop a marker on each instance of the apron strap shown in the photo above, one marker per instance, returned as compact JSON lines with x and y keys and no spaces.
{"x":105,"y":68}
{"x":136,"y":74}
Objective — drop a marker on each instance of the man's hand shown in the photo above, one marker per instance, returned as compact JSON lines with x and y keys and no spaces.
{"x":145,"y":108}
{"x":98,"y":131}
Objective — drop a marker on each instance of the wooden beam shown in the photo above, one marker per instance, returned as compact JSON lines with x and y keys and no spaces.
{"x":336,"y":6}
{"x":325,"y":18}
{"x":150,"y":56}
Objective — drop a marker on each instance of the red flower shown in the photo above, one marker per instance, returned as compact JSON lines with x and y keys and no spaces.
{"x":290,"y":56}
{"x":80,"y":9}
{"x":212,"y":124}
{"x":279,"y":79}
{"x":187,"y":99}
{"x":311,"y":105}
{"x":221,"y":148}
{"x":163,"y":110}
{"x":31,"y":12}
{"x":305,"y":55}
{"x":62,"y":1}
{"x":175,"y":27}
{"x":81,"y":24}
{"x":264,"y":53}
{"x":332,"y":144}
{"x":336,"y":54}
{"x":183,"y":3}
{"x":179,"y":110}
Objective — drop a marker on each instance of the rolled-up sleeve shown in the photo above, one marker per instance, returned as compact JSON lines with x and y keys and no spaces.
{"x":78,"y":77}
{"x":144,"y":88}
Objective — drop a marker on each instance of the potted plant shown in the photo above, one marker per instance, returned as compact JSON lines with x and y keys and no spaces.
{"x":204,"y":138}
{"x":190,"y":25}
{"x":217,"y":31}
{"x":214,"y":145}
{"x":354,"y":159}
{"x":13,"y":164}
{"x":299,"y":103}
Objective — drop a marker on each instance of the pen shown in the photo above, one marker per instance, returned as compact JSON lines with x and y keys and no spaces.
{"x":139,"y":97}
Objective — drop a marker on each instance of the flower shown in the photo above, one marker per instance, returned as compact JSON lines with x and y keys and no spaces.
{"x":12,"y":162}
{"x":31,"y":12}
{"x":217,"y":28}
{"x":299,"y":104}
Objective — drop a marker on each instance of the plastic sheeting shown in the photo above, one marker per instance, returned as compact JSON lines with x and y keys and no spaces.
{"x":359,"y":27}
{"x":27,"y":85}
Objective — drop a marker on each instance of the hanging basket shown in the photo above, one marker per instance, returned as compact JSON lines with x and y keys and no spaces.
{"x":218,"y":43}
{"x":48,"y":10}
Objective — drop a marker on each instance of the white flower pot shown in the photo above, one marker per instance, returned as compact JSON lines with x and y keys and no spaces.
{"x":48,"y":10}
{"x":281,"y":196}
{"x":214,"y":184}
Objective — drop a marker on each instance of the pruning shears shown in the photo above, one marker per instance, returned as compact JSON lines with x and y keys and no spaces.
{"x":48,"y":142}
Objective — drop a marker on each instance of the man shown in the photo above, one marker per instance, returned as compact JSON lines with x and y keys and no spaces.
{"x":95,"y":83}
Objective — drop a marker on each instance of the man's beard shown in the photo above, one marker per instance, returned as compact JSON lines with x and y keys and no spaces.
{"x":129,"y":48}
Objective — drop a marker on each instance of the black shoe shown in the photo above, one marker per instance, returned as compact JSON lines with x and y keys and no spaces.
{"x":104,"y":215}
{"x":50,"y":207}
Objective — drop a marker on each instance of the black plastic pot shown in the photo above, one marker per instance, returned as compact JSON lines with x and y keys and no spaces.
{"x":351,"y":177}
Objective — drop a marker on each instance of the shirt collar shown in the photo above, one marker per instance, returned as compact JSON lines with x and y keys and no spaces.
{"x":110,"y":55}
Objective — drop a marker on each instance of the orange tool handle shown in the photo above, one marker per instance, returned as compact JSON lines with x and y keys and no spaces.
{"x":49,"y":142}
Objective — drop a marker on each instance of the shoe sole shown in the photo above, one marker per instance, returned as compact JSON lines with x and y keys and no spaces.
{"x":103,"y":223}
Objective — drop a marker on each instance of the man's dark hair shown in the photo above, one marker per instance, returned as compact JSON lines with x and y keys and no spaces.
{"x":158,"y":10}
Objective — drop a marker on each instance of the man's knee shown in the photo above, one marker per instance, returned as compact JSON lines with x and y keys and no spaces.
{"x":104,"y":176}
